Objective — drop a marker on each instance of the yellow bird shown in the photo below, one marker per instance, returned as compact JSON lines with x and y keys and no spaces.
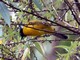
{"x":38,"y":28}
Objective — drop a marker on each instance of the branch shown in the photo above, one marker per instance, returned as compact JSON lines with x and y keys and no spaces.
{"x":73,"y":11}
{"x":77,"y":4}
{"x":73,"y":30}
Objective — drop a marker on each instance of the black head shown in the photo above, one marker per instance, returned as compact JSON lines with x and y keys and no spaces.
{"x":21,"y":31}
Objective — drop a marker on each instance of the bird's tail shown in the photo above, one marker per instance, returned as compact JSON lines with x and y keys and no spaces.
{"x":60,"y":35}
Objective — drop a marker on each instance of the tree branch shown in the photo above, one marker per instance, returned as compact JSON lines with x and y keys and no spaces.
{"x":70,"y":29}
{"x":73,"y":11}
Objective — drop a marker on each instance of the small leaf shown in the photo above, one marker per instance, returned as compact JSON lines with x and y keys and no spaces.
{"x":7,"y":51}
{"x":52,"y":18}
{"x":38,"y":4}
{"x":39,"y":48}
{"x":62,"y":46}
{"x":5,"y":13}
{"x":1,"y":46}
{"x":26,"y":54}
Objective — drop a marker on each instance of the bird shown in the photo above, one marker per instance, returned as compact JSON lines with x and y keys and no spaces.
{"x":39,"y":28}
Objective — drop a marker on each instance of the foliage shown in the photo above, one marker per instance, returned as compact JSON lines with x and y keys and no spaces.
{"x":63,"y":15}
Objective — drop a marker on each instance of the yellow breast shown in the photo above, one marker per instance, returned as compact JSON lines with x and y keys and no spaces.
{"x":34,"y":28}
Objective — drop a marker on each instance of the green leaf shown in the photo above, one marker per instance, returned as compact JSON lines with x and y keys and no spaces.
{"x":8,"y":51}
{"x":38,"y":4}
{"x":5,"y":13}
{"x":38,"y":47}
{"x":1,"y":46}
{"x":26,"y":54}
{"x":64,"y":47}
{"x":52,"y":18}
